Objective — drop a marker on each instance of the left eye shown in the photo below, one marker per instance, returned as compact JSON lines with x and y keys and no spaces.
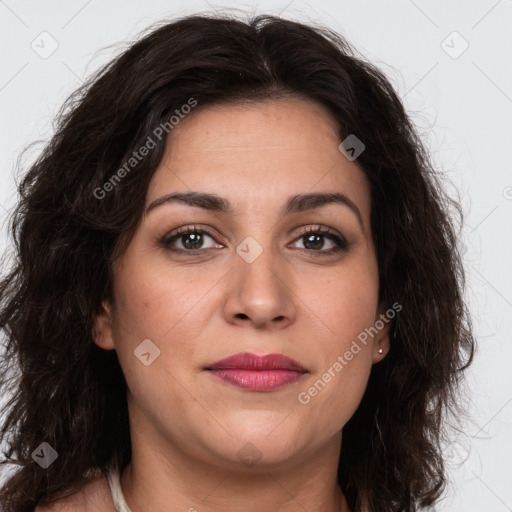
{"x":315,"y":241}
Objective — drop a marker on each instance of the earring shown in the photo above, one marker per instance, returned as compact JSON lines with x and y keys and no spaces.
{"x":381,"y":351}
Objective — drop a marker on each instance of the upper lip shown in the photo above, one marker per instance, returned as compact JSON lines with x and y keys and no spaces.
{"x":248,"y":361}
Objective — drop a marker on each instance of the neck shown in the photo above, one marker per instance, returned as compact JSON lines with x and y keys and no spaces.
{"x":160,"y":473}
{"x":251,"y":495}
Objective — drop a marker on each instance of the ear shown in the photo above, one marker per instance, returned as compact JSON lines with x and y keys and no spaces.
{"x":102,"y":327}
{"x":381,"y":339}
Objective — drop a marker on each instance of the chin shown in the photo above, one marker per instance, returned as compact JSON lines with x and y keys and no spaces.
{"x":261,"y":450}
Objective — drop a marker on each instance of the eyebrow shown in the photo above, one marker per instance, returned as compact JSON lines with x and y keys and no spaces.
{"x":295,"y":204}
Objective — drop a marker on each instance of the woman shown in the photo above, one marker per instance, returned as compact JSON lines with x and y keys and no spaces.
{"x":237,"y":286}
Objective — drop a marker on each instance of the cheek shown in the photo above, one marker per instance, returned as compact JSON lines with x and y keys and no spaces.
{"x":171,"y":312}
{"x":335,"y":392}
{"x":343,"y":304}
{"x":150,"y":306}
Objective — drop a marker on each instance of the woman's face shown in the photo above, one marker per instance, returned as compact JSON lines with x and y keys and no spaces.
{"x":252,"y":282}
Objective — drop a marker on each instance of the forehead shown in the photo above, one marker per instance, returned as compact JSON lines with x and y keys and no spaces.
{"x":257,"y":154}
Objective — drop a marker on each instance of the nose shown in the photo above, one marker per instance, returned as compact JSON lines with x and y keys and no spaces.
{"x":260,"y":294}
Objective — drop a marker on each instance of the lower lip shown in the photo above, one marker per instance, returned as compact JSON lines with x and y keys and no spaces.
{"x":257,"y":380}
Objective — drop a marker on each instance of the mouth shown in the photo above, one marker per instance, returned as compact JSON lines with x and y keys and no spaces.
{"x":257,"y":373}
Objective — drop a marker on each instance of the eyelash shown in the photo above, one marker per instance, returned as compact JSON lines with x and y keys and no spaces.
{"x":341,"y":243}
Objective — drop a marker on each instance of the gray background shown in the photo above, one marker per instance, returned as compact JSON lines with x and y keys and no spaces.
{"x":461,"y":102}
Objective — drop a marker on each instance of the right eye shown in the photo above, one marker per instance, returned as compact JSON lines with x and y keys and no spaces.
{"x":191,"y":239}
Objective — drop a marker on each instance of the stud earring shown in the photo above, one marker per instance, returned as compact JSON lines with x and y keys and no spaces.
{"x":381,"y":351}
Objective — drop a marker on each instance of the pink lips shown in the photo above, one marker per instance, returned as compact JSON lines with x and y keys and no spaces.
{"x":257,"y":373}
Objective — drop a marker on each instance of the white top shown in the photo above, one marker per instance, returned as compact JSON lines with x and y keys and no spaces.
{"x":115,"y":488}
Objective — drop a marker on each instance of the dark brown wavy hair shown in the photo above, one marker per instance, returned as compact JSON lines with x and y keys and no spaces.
{"x":68,"y":392}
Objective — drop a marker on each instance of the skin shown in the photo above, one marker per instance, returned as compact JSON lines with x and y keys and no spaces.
{"x":187,"y":426}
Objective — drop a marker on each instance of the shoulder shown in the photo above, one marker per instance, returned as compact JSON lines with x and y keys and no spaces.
{"x":93,"y":496}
